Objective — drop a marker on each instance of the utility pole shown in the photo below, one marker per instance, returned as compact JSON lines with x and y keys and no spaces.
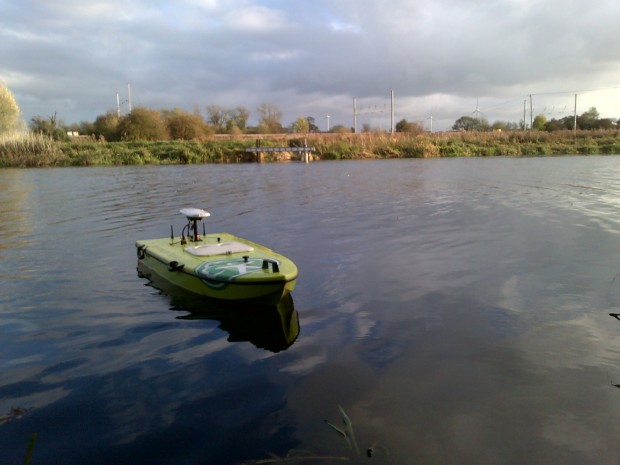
{"x":524,"y":106}
{"x":531,"y":115}
{"x":354,"y":116}
{"x":129,"y":97}
{"x":392,"y":112}
{"x":118,"y":105}
{"x":575,"y":118}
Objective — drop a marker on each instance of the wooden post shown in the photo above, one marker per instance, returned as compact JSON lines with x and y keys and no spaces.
{"x":306,"y":154}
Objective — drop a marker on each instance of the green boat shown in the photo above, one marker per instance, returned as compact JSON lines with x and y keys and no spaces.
{"x":220,"y":265}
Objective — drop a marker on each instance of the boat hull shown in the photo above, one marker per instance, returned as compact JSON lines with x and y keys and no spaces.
{"x":220,"y":266}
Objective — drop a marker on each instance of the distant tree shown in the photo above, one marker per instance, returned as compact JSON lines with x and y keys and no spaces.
{"x":539,"y":123}
{"x":312,"y":127}
{"x":270,"y":117}
{"x":405,"y":126}
{"x":106,"y":126}
{"x":568,"y":122}
{"x":300,"y":126}
{"x":217,"y":116}
{"x":49,"y":126}
{"x":505,"y":126}
{"x":185,"y":126}
{"x":143,"y":124}
{"x":588,"y":119}
{"x":10,"y":119}
{"x":340,"y":129}
{"x":606,"y":123}
{"x":237,"y":118}
{"x":468,"y":123}
{"x":85,"y":128}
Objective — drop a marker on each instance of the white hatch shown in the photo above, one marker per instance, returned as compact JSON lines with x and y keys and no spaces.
{"x":221,"y":248}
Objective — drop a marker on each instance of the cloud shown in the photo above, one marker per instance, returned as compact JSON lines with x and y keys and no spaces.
{"x":198,"y":52}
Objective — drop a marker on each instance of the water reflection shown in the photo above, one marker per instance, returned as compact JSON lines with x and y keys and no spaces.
{"x":270,"y":327}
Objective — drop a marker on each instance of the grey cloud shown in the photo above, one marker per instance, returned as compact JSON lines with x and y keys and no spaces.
{"x":286,"y":53}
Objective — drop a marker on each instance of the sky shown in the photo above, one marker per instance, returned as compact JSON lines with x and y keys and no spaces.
{"x":440,"y":59}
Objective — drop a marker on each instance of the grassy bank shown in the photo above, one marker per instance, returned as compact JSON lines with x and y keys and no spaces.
{"x":37,"y":151}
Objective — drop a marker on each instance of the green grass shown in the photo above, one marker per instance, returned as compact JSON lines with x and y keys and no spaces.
{"x":32,"y":150}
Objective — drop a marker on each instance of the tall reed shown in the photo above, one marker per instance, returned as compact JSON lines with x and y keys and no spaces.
{"x":28,"y":150}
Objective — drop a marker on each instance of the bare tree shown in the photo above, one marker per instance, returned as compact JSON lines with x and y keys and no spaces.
{"x":270,"y":117}
{"x":217,"y":116}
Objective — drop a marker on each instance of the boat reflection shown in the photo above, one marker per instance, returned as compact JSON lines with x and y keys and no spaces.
{"x":270,"y":327}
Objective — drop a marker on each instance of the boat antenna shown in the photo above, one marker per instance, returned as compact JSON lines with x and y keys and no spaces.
{"x":171,"y":234}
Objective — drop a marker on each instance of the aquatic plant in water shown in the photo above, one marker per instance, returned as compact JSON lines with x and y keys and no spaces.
{"x":346,"y":432}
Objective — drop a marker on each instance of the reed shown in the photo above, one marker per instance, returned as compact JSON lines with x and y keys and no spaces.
{"x":345,"y":431}
{"x":33,"y":150}
{"x":27,"y":150}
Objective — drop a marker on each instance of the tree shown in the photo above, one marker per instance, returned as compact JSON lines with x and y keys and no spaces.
{"x":185,"y":126}
{"x":50,"y":127}
{"x":106,"y":126}
{"x":237,"y":118}
{"x":340,"y":129}
{"x":568,"y":122}
{"x":405,"y":126}
{"x":217,"y":116}
{"x":85,"y":128}
{"x":588,"y":119}
{"x":300,"y":125}
{"x":312,"y":127}
{"x":270,"y":117}
{"x":10,"y":119}
{"x":539,"y":123}
{"x":468,"y":123}
{"x":143,"y":124}
{"x":505,"y":126}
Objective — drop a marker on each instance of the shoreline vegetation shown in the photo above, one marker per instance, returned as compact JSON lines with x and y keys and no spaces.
{"x":36,"y":150}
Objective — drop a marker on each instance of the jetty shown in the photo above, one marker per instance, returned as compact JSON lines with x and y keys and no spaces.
{"x":260,"y":151}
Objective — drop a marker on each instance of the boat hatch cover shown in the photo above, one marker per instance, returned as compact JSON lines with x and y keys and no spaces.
{"x":221,"y":248}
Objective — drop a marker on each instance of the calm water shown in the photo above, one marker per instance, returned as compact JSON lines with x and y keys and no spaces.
{"x":455,"y":310}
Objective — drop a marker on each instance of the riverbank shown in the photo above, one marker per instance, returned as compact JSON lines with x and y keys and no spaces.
{"x":38,"y":151}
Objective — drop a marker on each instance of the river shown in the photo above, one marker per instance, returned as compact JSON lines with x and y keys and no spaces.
{"x":449,"y":311}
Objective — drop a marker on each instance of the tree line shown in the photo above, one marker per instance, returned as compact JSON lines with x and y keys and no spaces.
{"x":588,"y":120}
{"x":147,"y":124}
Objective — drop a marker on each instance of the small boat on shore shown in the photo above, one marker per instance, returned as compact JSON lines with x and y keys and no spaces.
{"x":220,"y":265}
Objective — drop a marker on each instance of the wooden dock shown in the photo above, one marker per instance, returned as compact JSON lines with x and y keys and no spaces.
{"x":259,"y":151}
